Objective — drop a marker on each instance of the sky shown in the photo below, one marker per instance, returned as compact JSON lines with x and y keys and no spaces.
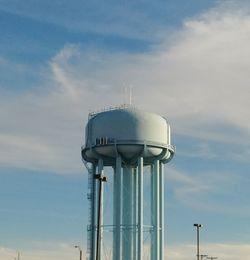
{"x":185,"y":60}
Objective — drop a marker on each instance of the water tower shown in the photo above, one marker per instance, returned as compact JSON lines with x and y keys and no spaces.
{"x":127,"y":140}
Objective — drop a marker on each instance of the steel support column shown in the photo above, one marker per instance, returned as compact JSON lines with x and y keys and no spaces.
{"x":162,"y":209}
{"x":135,"y":213}
{"x":140,"y":208}
{"x":152,"y":200}
{"x":93,"y":214}
{"x":127,"y":214}
{"x":155,"y":206}
{"x":117,"y":206}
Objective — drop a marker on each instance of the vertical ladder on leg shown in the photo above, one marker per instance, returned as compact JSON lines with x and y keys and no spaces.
{"x":90,"y":196}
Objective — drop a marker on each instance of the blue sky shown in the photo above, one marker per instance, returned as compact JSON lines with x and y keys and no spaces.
{"x":186,"y":60}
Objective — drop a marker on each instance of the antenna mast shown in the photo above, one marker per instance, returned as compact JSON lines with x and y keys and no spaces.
{"x":130,"y":95}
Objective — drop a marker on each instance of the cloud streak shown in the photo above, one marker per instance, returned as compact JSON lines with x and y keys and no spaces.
{"x":222,"y":251}
{"x":62,"y":251}
{"x":199,"y":80}
{"x":223,"y":192}
{"x":144,"y":20}
{"x":41,"y":251}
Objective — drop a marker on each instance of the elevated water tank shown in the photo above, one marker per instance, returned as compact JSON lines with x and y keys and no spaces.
{"x":128,"y":139}
{"x":129,"y":132}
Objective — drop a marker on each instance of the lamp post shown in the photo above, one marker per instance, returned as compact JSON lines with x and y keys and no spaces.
{"x":101,"y":179}
{"x":198,"y":226}
{"x":80,"y":251}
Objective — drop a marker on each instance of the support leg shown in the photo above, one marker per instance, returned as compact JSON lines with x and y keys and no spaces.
{"x":117,"y":250}
{"x":127,"y":214}
{"x":140,"y":209}
{"x":135,"y":213}
{"x":162,"y":207}
{"x":155,"y":212}
{"x":93,"y":215}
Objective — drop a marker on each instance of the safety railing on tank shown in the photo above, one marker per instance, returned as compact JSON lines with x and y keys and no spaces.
{"x":106,"y":109}
{"x":111,"y":141}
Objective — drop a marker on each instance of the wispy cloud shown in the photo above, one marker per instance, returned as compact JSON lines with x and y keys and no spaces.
{"x":222,"y":251}
{"x":207,"y":190}
{"x":191,"y":190}
{"x":62,"y":251}
{"x":41,"y":251}
{"x":199,"y":80}
{"x":135,"y":20}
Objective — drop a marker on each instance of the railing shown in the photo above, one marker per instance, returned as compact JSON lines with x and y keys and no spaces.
{"x":111,"y":141}
{"x":93,"y":113}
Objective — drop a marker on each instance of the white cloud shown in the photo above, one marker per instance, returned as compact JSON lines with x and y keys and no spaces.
{"x":199,"y":80}
{"x":111,"y":18}
{"x":222,"y":251}
{"x":41,"y":251}
{"x":191,"y":189}
{"x":62,"y":251}
{"x":206,"y":190}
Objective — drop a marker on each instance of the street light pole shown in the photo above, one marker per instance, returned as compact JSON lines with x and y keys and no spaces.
{"x":198,"y":226}
{"x":80,"y":251}
{"x":101,"y":179}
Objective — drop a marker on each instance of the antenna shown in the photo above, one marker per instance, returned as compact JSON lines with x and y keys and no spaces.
{"x":124,"y":93}
{"x":130,"y":95}
{"x":127,"y":92}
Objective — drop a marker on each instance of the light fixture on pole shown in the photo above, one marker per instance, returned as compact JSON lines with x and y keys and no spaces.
{"x":80,"y":250}
{"x":202,"y":256}
{"x":212,"y":257}
{"x":198,"y":226}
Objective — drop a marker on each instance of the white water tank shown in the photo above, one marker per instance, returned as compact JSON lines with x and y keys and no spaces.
{"x":128,"y":131}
